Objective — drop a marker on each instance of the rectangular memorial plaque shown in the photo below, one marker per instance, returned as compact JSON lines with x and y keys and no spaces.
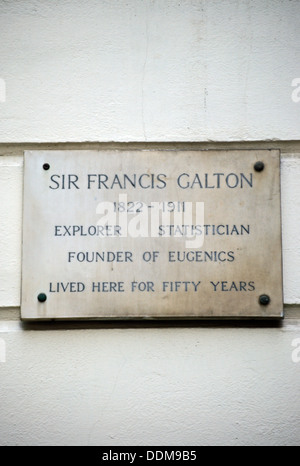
{"x":152,"y":235}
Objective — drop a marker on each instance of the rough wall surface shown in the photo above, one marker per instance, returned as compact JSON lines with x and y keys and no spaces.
{"x":161,"y":71}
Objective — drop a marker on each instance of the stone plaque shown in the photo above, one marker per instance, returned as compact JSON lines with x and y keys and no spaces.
{"x":152,"y":235}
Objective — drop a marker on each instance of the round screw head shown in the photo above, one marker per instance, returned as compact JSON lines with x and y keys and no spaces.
{"x":42,"y":297}
{"x":264,"y":300}
{"x":259,"y":167}
{"x":46,"y":166}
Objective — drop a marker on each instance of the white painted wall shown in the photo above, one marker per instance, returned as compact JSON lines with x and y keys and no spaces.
{"x":148,"y":70}
{"x":11,"y":187}
{"x":290,"y":180}
{"x":193,"y":386}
